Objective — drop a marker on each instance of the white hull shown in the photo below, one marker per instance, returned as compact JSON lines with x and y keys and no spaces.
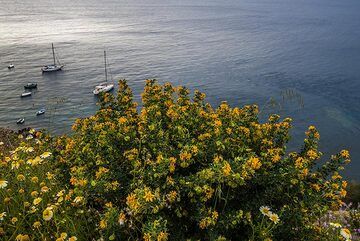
{"x":26,"y":94}
{"x":51,"y":68}
{"x":103,"y":88}
{"x":40,"y":112}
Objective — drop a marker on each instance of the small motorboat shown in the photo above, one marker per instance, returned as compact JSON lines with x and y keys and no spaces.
{"x":41,"y":112}
{"x":20,"y":121}
{"x":103,"y":88}
{"x":11,"y":66}
{"x":26,"y":94}
{"x":30,"y":86}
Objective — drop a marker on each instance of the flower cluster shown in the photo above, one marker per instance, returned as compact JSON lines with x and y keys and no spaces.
{"x":174,"y":169}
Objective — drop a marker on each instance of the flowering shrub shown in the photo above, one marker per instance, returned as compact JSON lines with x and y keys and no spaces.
{"x":34,"y":205}
{"x":177,"y":169}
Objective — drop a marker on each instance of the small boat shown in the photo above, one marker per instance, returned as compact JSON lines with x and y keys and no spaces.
{"x":104,"y":87}
{"x":20,"y":121}
{"x":26,"y":94}
{"x":41,"y":112}
{"x":11,"y":66}
{"x":52,"y":67}
{"x":30,"y":86}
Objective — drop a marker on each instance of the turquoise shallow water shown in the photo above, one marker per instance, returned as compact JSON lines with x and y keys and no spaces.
{"x":244,"y":51}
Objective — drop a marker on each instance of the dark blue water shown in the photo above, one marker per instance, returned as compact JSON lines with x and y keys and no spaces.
{"x":304,"y":55}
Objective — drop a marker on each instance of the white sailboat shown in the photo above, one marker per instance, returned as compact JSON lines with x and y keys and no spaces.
{"x":106,"y":86}
{"x":52,"y":67}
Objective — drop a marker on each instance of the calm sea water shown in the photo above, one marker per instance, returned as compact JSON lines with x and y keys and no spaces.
{"x":302,"y":55}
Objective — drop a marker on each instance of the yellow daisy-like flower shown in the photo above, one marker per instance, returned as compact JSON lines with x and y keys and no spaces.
{"x":45,"y":155}
{"x":73,"y":238}
{"x":103,"y":224}
{"x":20,"y":177}
{"x":265,"y":210}
{"x":37,"y":201}
{"x":345,"y":154}
{"x":78,"y":199}
{"x":3,"y":183}
{"x":34,"y":193}
{"x":14,"y":220}
{"x":345,"y":233}
{"x":335,"y":225}
{"x":149,"y":197}
{"x":254,"y":163}
{"x":35,"y":179}
{"x":45,"y":189}
{"x":48,"y":214}
{"x":274,"y":218}
{"x":36,"y":224}
{"x":30,"y":149}
{"x":21,"y":237}
{"x":2,"y":215}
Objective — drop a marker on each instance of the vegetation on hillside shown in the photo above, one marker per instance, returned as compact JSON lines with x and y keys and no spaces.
{"x":178,"y":169}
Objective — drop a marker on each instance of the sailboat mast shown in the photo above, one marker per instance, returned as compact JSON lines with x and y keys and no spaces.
{"x":105,"y":66}
{"x":53,"y":51}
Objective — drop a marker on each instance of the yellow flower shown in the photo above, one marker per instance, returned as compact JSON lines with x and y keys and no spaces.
{"x":345,"y":233}
{"x":3,"y":184}
{"x":36,"y":224}
{"x":48,"y":214}
{"x":14,"y":220}
{"x":226,"y":169}
{"x":265,"y":210}
{"x":122,"y":219}
{"x":335,"y":225}
{"x":312,"y":154}
{"x":34,"y":193}
{"x":254,"y":163}
{"x":149,"y":197}
{"x":49,"y":175}
{"x":274,"y":217}
{"x":30,"y":149}
{"x":2,"y":215}
{"x":78,"y":199}
{"x":63,"y":235}
{"x":103,"y":224}
{"x":34,"y":179}
{"x":276,"y":158}
{"x":20,"y":177}
{"x":345,"y":154}
{"x":163,"y":236}
{"x":73,"y":238}
{"x":37,"y":201}
{"x":147,"y":237}
{"x":45,"y":155}
{"x":44,"y":189}
{"x":343,"y":193}
{"x":21,"y":237}
{"x":185,"y":156}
